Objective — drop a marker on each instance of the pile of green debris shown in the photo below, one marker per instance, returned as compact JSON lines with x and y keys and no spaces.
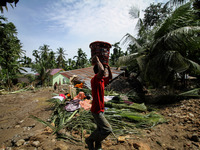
{"x":124,"y":118}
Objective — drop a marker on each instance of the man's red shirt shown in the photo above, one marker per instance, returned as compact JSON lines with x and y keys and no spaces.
{"x":97,"y":85}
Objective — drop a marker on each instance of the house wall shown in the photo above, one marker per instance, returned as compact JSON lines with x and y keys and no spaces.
{"x":59,"y":78}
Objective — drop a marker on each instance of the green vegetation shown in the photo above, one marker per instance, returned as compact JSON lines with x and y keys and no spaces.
{"x":165,"y":49}
{"x":10,"y":52}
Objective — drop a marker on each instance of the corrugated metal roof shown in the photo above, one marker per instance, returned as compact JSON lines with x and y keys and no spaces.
{"x":86,"y":74}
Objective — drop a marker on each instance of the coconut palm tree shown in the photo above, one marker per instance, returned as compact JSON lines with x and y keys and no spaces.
{"x":26,"y":61}
{"x":81,"y":59}
{"x":43,"y":63}
{"x":170,"y":49}
{"x":71,"y":64}
{"x":61,"y":57}
{"x":52,"y":58}
{"x":117,"y":52}
{"x":44,"y":51}
{"x":43,"y":72}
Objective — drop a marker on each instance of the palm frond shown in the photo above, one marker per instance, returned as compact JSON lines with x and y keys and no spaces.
{"x":65,"y":121}
{"x":142,"y":61}
{"x":176,"y":62}
{"x":168,"y":62}
{"x":43,"y":122}
{"x":129,"y":39}
{"x":194,"y":67}
{"x":181,"y":17}
{"x":139,"y":24}
{"x":191,"y":93}
{"x":177,"y":2}
{"x":127,"y":60}
{"x":181,"y":39}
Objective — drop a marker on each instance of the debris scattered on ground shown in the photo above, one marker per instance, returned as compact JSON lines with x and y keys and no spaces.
{"x":181,"y":131}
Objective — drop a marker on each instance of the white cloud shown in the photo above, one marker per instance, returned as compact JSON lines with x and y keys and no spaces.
{"x":74,"y":24}
{"x":85,"y":21}
{"x":92,"y":17}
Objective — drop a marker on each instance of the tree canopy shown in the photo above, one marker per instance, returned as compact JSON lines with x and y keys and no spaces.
{"x":170,"y":47}
{"x":10,"y":52}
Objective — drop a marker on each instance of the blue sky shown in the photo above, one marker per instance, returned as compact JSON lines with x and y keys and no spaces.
{"x":73,"y":24}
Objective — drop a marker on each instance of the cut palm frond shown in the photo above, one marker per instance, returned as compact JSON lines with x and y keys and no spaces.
{"x":43,"y":122}
{"x":134,"y":106}
{"x":148,"y":120}
{"x":191,"y":93}
{"x":69,"y":138}
{"x":65,"y":121}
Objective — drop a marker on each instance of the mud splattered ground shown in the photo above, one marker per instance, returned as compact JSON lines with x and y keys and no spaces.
{"x":18,"y":131}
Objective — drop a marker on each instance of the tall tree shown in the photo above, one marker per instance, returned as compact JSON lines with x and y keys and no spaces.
{"x":155,"y":14}
{"x":81,"y":59}
{"x":36,"y":55}
{"x":117,"y":52}
{"x":26,"y":61}
{"x":44,"y":51}
{"x":61,"y":57}
{"x":52,"y":58}
{"x":10,"y":51}
{"x":43,"y":63}
{"x":71,"y":64}
{"x":132,"y":49}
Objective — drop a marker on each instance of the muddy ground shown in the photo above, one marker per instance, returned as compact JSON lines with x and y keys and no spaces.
{"x":18,"y":131}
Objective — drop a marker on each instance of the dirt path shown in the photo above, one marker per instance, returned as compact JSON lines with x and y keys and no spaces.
{"x":18,"y":131}
{"x":15,"y":110}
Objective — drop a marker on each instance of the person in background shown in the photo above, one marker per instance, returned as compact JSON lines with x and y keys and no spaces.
{"x":55,"y":86}
{"x":98,"y":83}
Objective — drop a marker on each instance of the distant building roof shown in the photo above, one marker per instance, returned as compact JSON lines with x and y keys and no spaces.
{"x":54,"y":71}
{"x":27,"y":71}
{"x":85,"y":74}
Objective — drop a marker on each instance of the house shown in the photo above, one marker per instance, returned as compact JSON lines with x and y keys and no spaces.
{"x":84,"y":75}
{"x":56,"y":76}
